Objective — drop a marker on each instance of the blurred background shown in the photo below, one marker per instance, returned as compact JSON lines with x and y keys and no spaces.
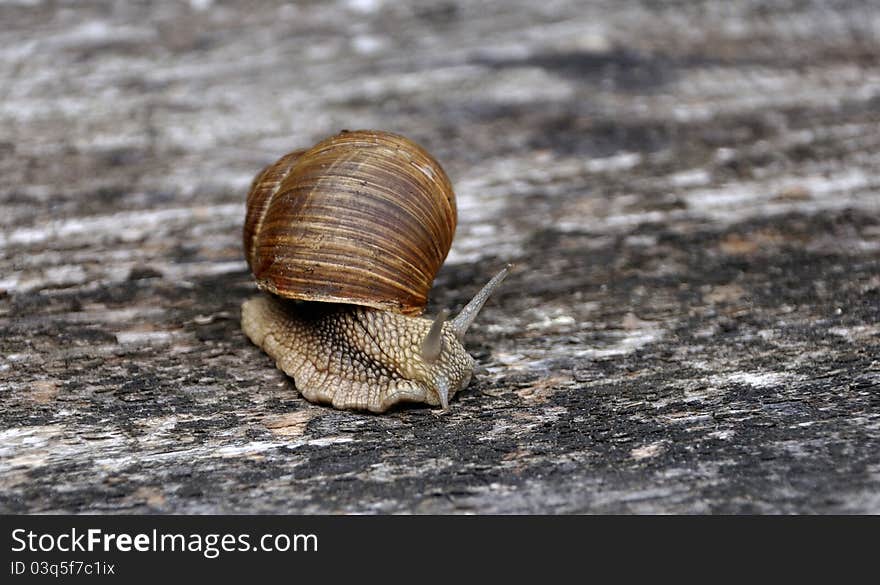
{"x":134,"y":106}
{"x":690,"y":191}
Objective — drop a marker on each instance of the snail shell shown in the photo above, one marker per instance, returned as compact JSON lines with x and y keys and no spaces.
{"x":363,"y":217}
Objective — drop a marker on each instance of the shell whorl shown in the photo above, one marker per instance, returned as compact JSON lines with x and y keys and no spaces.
{"x":363,"y":217}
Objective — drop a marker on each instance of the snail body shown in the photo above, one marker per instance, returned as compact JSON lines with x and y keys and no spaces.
{"x":346,"y":238}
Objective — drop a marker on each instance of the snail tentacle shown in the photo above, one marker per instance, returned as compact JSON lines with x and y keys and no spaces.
{"x":433,"y":342}
{"x":463,"y":320}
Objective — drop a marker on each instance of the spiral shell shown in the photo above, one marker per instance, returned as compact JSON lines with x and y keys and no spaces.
{"x":363,"y":217}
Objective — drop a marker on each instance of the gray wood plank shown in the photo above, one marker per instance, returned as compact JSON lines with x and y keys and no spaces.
{"x":689,"y":192}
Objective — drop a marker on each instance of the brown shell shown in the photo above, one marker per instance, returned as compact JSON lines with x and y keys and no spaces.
{"x":363,"y":217}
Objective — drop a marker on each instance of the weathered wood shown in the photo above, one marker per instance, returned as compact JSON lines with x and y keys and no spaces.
{"x":690,"y":194}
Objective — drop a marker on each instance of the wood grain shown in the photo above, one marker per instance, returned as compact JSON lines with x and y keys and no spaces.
{"x":689,"y":192}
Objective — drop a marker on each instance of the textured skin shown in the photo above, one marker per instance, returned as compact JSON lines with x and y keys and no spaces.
{"x":354,"y":357}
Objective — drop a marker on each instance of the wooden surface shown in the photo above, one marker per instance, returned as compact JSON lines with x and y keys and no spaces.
{"x":689,"y":190}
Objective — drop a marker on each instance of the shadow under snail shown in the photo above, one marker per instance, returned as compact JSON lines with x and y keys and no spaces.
{"x":347,"y":237}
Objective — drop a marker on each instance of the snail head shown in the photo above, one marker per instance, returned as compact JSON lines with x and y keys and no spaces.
{"x":446,"y":365}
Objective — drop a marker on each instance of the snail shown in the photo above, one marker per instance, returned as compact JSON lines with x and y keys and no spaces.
{"x":346,"y":238}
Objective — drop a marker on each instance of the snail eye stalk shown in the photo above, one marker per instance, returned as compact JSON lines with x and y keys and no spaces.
{"x":432,"y":345}
{"x":463,"y":320}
